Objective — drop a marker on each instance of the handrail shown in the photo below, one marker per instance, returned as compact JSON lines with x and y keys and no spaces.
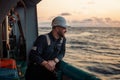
{"x":75,"y":73}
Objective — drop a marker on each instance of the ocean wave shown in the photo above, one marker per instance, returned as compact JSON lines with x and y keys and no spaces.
{"x":104,"y":70}
{"x":82,"y":34}
{"x":96,"y":50}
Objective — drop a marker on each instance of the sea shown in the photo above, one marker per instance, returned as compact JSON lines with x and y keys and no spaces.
{"x":95,"y":50}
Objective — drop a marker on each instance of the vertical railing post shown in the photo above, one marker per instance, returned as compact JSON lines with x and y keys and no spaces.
{"x":1,"y":54}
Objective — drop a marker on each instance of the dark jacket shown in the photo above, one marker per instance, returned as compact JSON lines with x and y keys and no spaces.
{"x":44,"y":51}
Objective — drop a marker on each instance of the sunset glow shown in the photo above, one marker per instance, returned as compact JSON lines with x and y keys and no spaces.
{"x":81,"y":12}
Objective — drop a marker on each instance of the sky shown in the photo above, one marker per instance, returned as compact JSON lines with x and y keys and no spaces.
{"x":80,"y":13}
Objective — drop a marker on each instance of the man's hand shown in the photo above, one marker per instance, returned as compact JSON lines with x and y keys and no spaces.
{"x":50,"y":65}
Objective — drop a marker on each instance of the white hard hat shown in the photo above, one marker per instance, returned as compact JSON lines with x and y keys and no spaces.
{"x":59,"y":21}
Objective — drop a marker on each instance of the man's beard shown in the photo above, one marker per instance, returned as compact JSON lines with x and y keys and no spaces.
{"x":60,"y":34}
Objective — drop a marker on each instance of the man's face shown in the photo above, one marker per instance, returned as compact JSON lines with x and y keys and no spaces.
{"x":61,"y":31}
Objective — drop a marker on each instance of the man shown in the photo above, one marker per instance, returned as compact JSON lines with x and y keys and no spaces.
{"x":47,"y":52}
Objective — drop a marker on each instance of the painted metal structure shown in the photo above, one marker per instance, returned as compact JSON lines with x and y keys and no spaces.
{"x":28,"y":17}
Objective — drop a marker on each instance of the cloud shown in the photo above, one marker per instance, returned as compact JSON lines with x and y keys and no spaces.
{"x":65,"y":14}
{"x":90,"y":2}
{"x":88,"y":22}
{"x":96,"y":22}
{"x":62,"y":14}
{"x":75,"y":21}
{"x":44,"y":24}
{"x":108,"y":19}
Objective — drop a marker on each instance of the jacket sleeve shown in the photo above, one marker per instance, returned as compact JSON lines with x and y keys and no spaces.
{"x":62,"y":51}
{"x":37,"y":50}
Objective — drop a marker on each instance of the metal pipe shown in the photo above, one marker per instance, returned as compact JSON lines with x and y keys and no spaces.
{"x":1,"y":50}
{"x":7,"y":35}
